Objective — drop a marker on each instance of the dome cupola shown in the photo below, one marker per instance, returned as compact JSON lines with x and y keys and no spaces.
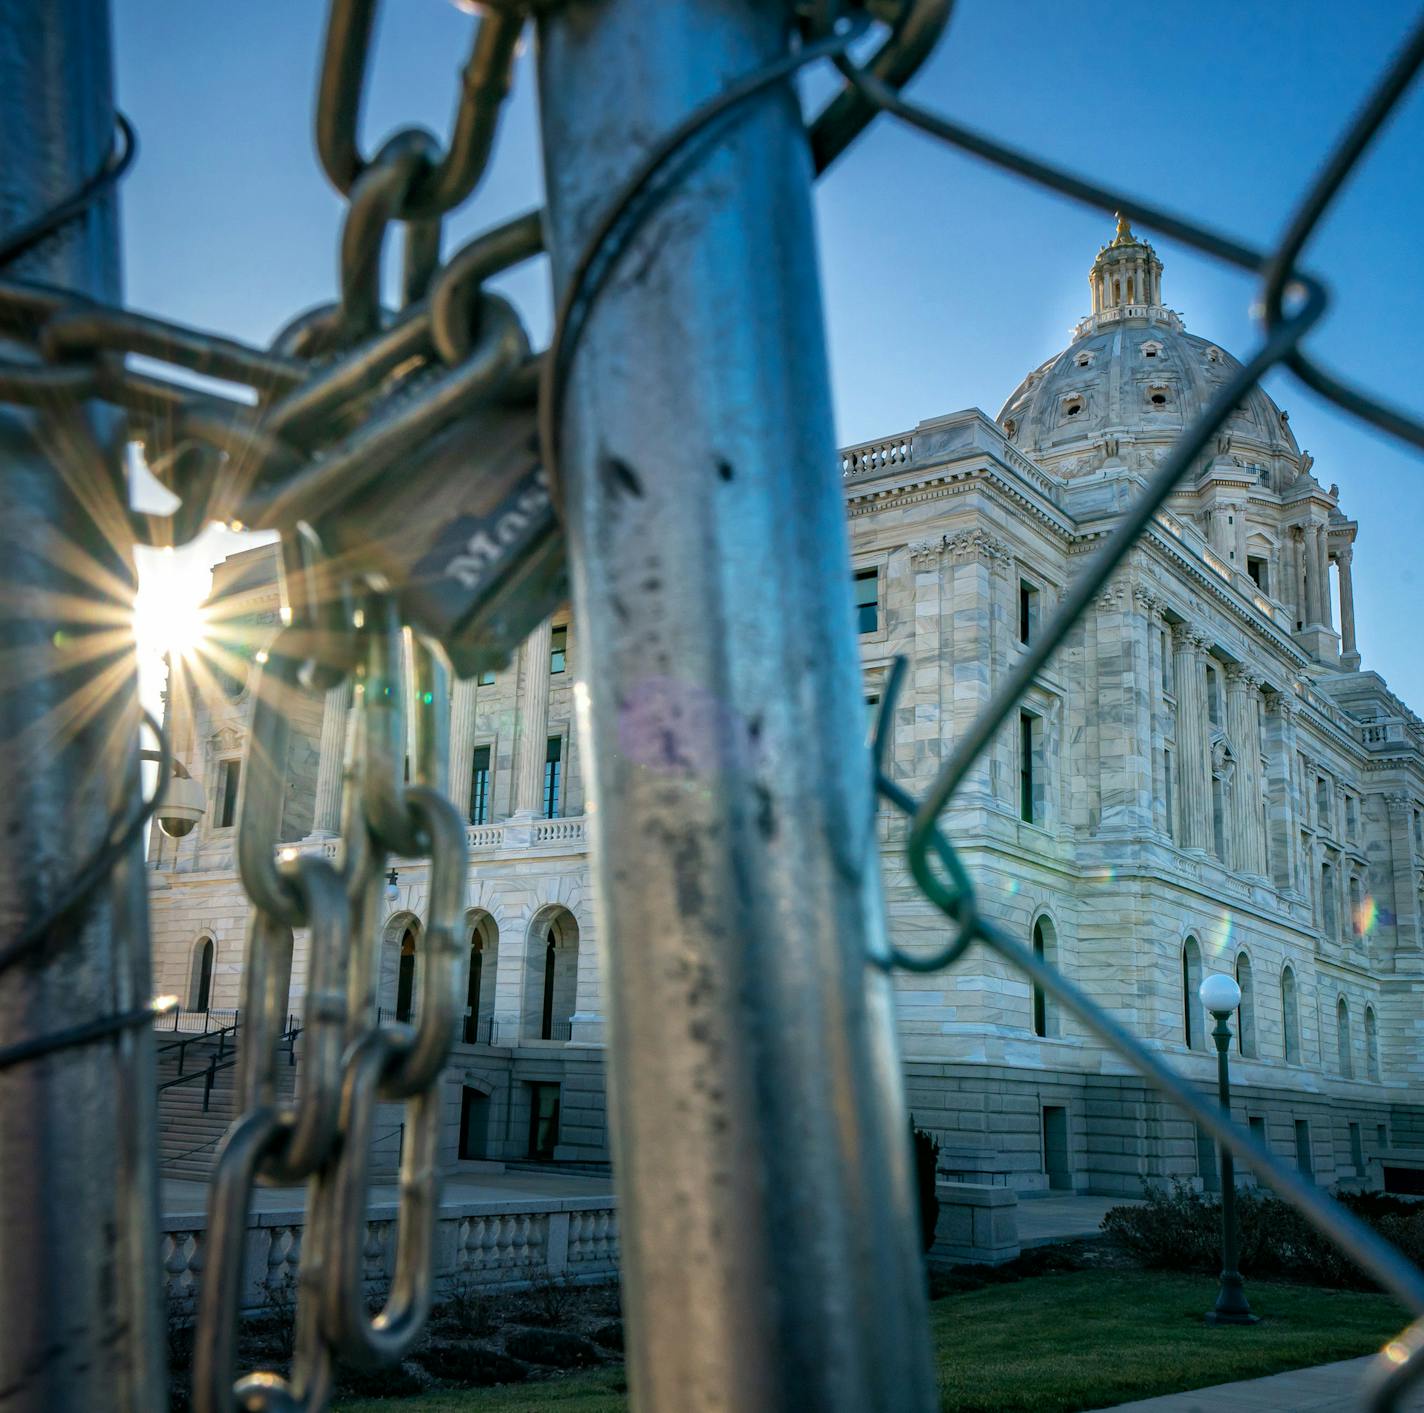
{"x":1126,"y":278}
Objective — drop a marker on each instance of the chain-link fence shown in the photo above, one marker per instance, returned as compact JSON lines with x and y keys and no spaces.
{"x":435,"y":482}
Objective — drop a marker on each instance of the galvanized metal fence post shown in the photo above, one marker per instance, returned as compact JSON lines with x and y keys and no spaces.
{"x":758,"y":1123}
{"x":80,"y":1323}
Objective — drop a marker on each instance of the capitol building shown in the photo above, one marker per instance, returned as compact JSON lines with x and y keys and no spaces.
{"x":1206,"y":778}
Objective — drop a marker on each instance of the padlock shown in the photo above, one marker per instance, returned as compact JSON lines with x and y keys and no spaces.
{"x":463,"y":534}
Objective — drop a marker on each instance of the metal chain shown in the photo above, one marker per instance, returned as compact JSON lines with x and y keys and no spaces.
{"x":347,"y":391}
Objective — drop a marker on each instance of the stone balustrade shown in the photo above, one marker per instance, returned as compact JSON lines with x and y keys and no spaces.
{"x":487,"y":1244}
{"x":510,"y":835}
{"x":870,"y":457}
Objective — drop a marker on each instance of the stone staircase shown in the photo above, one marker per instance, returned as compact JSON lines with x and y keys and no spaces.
{"x":188,"y":1134}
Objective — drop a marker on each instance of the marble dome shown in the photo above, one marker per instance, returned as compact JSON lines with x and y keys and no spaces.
{"x":1134,"y":376}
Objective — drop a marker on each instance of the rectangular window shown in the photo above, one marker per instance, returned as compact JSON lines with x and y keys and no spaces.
{"x":558,"y":649}
{"x":867,"y":600}
{"x":1165,"y":653}
{"x":479,"y":786}
{"x":1357,"y":1150}
{"x":1258,"y":1129}
{"x":553,"y":768}
{"x":872,"y":715}
{"x":231,"y":777}
{"x":1322,"y":802}
{"x":1352,"y":817}
{"x":1028,"y":611}
{"x":1419,"y":831}
{"x":1168,"y":798}
{"x":1256,"y":568}
{"x":1206,"y":1161}
{"x":1303,"y":1159}
{"x":543,"y":1121}
{"x":1027,"y":723}
{"x":1382,"y":1136}
{"x":1213,"y":696}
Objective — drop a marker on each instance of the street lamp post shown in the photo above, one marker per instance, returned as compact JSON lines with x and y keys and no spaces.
{"x":1221,"y":996}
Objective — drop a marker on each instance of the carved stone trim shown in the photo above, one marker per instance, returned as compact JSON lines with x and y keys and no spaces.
{"x":975,"y":544}
{"x":926,"y":554}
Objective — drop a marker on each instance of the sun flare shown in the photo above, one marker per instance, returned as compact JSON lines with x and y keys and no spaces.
{"x":169,"y":618}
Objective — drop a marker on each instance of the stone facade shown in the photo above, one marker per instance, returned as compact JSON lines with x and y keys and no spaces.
{"x":1204,"y":778}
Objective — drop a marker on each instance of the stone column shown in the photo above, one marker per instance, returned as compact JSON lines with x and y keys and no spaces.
{"x":1239,"y":512}
{"x":1242,"y":725}
{"x":462,"y":743}
{"x":1189,"y":644}
{"x":533,"y":723}
{"x":1322,"y":559}
{"x":326,"y":819}
{"x":1294,"y":597}
{"x":1349,"y":655}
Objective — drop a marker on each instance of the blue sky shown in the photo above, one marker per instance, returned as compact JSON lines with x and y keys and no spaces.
{"x":945,"y":281}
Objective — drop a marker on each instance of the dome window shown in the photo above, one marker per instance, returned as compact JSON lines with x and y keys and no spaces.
{"x":1152,"y":349}
{"x":1072,"y":406}
{"x":1213,"y":355}
{"x":1157,"y":395}
{"x":1084,"y":359}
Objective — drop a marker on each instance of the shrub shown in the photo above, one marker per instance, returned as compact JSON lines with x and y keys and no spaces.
{"x":1180,"y":1230}
{"x":926,"y":1162}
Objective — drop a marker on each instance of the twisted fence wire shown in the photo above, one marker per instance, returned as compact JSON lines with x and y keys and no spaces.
{"x":1292,"y":303}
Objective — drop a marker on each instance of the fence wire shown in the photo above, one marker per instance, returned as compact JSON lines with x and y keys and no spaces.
{"x":320,"y":427}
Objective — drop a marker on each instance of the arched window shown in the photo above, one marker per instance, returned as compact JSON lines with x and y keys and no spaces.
{"x":1372,"y":1066}
{"x":1191,"y":1003}
{"x":1342,"y":1037}
{"x":551,"y":976}
{"x":1290,"y":1018}
{"x":200,"y":986}
{"x":479,"y":990}
{"x":405,"y":981}
{"x":1045,"y":945}
{"x":1246,"y":1016}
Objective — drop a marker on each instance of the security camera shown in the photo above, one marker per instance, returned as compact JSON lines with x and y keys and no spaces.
{"x":184,"y":804}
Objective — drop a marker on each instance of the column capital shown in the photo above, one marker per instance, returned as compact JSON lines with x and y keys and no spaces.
{"x":1398,"y":803}
{"x":976,"y":544}
{"x":1148,"y":600}
{"x":926,"y":554}
{"x":1113,"y":595}
{"x":1190,"y":637}
{"x":1282,"y":704}
{"x":1242,"y":677}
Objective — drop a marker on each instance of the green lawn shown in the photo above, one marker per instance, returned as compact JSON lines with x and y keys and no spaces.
{"x":1055,"y":1344}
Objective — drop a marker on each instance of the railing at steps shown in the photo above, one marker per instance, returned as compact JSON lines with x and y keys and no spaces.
{"x":219,"y":1060}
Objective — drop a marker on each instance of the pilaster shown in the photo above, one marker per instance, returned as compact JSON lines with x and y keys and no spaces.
{"x":1242,"y":723}
{"x":462,"y":743}
{"x":1405,"y":868}
{"x":972,"y":556}
{"x":336,"y":715}
{"x":533,"y":722}
{"x":1189,"y":646}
